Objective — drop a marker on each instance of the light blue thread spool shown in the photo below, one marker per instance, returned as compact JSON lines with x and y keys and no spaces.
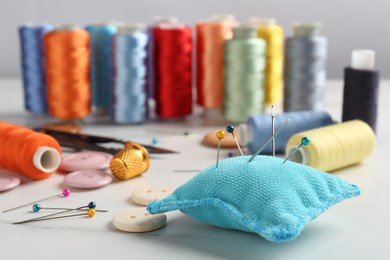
{"x":33,"y":67}
{"x":101,"y":64}
{"x":305,"y":70}
{"x":258,"y":128}
{"x":129,"y":96}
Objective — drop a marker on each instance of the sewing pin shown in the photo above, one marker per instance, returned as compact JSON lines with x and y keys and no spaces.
{"x":304,"y":141}
{"x":230,"y":129}
{"x":91,"y":213}
{"x":91,"y":205}
{"x":273,"y":129}
{"x":65,"y":193}
{"x":37,"y":208}
{"x":220,"y":135}
{"x":269,"y":140}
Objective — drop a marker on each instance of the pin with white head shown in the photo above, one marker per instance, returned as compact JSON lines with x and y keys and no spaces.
{"x":269,"y":140}
{"x":220,"y":135}
{"x":273,"y":129}
{"x":304,"y":142}
{"x":91,"y":205}
{"x":230,"y":129}
{"x":91,"y":213}
{"x":65,"y":193}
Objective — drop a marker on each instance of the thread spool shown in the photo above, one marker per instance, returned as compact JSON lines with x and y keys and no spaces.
{"x":258,"y":128}
{"x":272,"y":33}
{"x":305,"y":68}
{"x":173,"y":70}
{"x":29,"y":153}
{"x":244,"y":74}
{"x":129,"y":104}
{"x":67,"y":72}
{"x":333,"y":147}
{"x":101,"y":65}
{"x":361,"y":88}
{"x":211,"y":35}
{"x":32,"y":61}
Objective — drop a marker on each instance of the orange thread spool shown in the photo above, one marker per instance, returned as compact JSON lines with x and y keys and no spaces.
{"x":32,"y":154}
{"x":214,"y":33}
{"x":67,"y":73}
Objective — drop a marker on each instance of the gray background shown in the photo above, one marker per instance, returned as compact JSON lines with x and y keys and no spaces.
{"x":348,"y":24}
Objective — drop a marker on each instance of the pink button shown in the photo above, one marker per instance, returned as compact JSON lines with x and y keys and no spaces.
{"x":87,"y":179}
{"x":8,"y":182}
{"x":85,"y":161}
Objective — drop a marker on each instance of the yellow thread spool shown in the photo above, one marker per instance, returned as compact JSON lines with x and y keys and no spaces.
{"x":333,"y":147}
{"x":273,"y":35}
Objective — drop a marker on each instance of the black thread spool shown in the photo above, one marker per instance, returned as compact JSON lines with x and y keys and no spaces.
{"x":361,"y":87}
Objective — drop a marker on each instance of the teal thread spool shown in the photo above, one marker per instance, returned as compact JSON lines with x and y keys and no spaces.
{"x":244,"y":67}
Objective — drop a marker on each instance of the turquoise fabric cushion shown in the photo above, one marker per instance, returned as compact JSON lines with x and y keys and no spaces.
{"x":265,"y":196}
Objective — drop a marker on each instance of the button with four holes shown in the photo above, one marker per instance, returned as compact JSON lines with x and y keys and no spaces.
{"x":85,"y":161}
{"x":138,"y":220}
{"x":144,"y":196}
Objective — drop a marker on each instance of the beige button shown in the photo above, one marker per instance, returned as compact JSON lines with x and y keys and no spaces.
{"x":138,"y":220}
{"x":146,"y":195}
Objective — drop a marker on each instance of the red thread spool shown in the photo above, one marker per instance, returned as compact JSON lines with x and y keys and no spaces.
{"x":32,"y":154}
{"x":67,"y":72}
{"x":173,"y":70}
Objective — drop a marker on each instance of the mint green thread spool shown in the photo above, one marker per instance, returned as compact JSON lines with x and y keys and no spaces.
{"x":244,"y":68}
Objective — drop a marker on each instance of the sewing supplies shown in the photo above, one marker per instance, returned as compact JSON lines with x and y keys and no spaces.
{"x":305,"y":68}
{"x":131,"y":161}
{"x":244,"y":67}
{"x":220,"y":135}
{"x":29,"y":153}
{"x":266,"y":143}
{"x":8,"y":182}
{"x":334,"y":147}
{"x":67,"y":61}
{"x":88,"y":160}
{"x":32,"y":62}
{"x":265,"y":196}
{"x":211,"y":35}
{"x":91,"y":142}
{"x":144,"y":196}
{"x":129,"y":95}
{"x":273,"y":129}
{"x":230,"y":130}
{"x":101,"y":34}
{"x":65,"y":193}
{"x":37,"y":208}
{"x":91,"y":205}
{"x":304,"y":141}
{"x":90,"y":213}
{"x":173,"y":69}
{"x":272,"y":33}
{"x":260,"y":126}
{"x":87,"y":179}
{"x":63,"y":127}
{"x":226,"y":143}
{"x":138,"y":220}
{"x":361,"y":88}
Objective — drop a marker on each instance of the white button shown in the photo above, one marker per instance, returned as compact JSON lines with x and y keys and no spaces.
{"x":146,"y":195}
{"x":85,"y":161}
{"x":87,"y":179}
{"x":8,"y":182}
{"x":138,"y":220}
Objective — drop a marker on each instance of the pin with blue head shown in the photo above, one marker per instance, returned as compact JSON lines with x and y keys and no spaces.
{"x":230,"y":130}
{"x":304,"y":142}
{"x":220,"y":135}
{"x":91,"y":205}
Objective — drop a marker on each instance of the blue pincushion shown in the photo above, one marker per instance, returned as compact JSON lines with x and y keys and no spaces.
{"x":265,"y":196}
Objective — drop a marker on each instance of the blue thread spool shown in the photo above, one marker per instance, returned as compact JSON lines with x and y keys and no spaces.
{"x":258,"y":128}
{"x":101,"y":64}
{"x":32,"y":61}
{"x":129,"y":97}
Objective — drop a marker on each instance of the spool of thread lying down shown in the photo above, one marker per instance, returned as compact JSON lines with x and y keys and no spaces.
{"x":258,"y":128}
{"x":333,"y":147}
{"x":32,"y":154}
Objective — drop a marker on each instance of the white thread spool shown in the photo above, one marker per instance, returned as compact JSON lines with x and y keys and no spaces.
{"x":363,"y":59}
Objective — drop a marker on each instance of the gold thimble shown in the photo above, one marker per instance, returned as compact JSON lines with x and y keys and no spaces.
{"x":129,"y":162}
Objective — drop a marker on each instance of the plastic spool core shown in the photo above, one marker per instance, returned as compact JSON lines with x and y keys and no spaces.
{"x":223,"y":17}
{"x":363,"y":59}
{"x":300,"y":156}
{"x":46,"y":159}
{"x":263,"y":21}
{"x":246,"y":133}
{"x":130,"y":28}
{"x":244,"y":32}
{"x":165,"y":19}
{"x":67,"y":27}
{"x":306,"y":29}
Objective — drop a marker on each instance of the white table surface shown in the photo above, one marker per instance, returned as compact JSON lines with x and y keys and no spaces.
{"x":354,"y":229}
